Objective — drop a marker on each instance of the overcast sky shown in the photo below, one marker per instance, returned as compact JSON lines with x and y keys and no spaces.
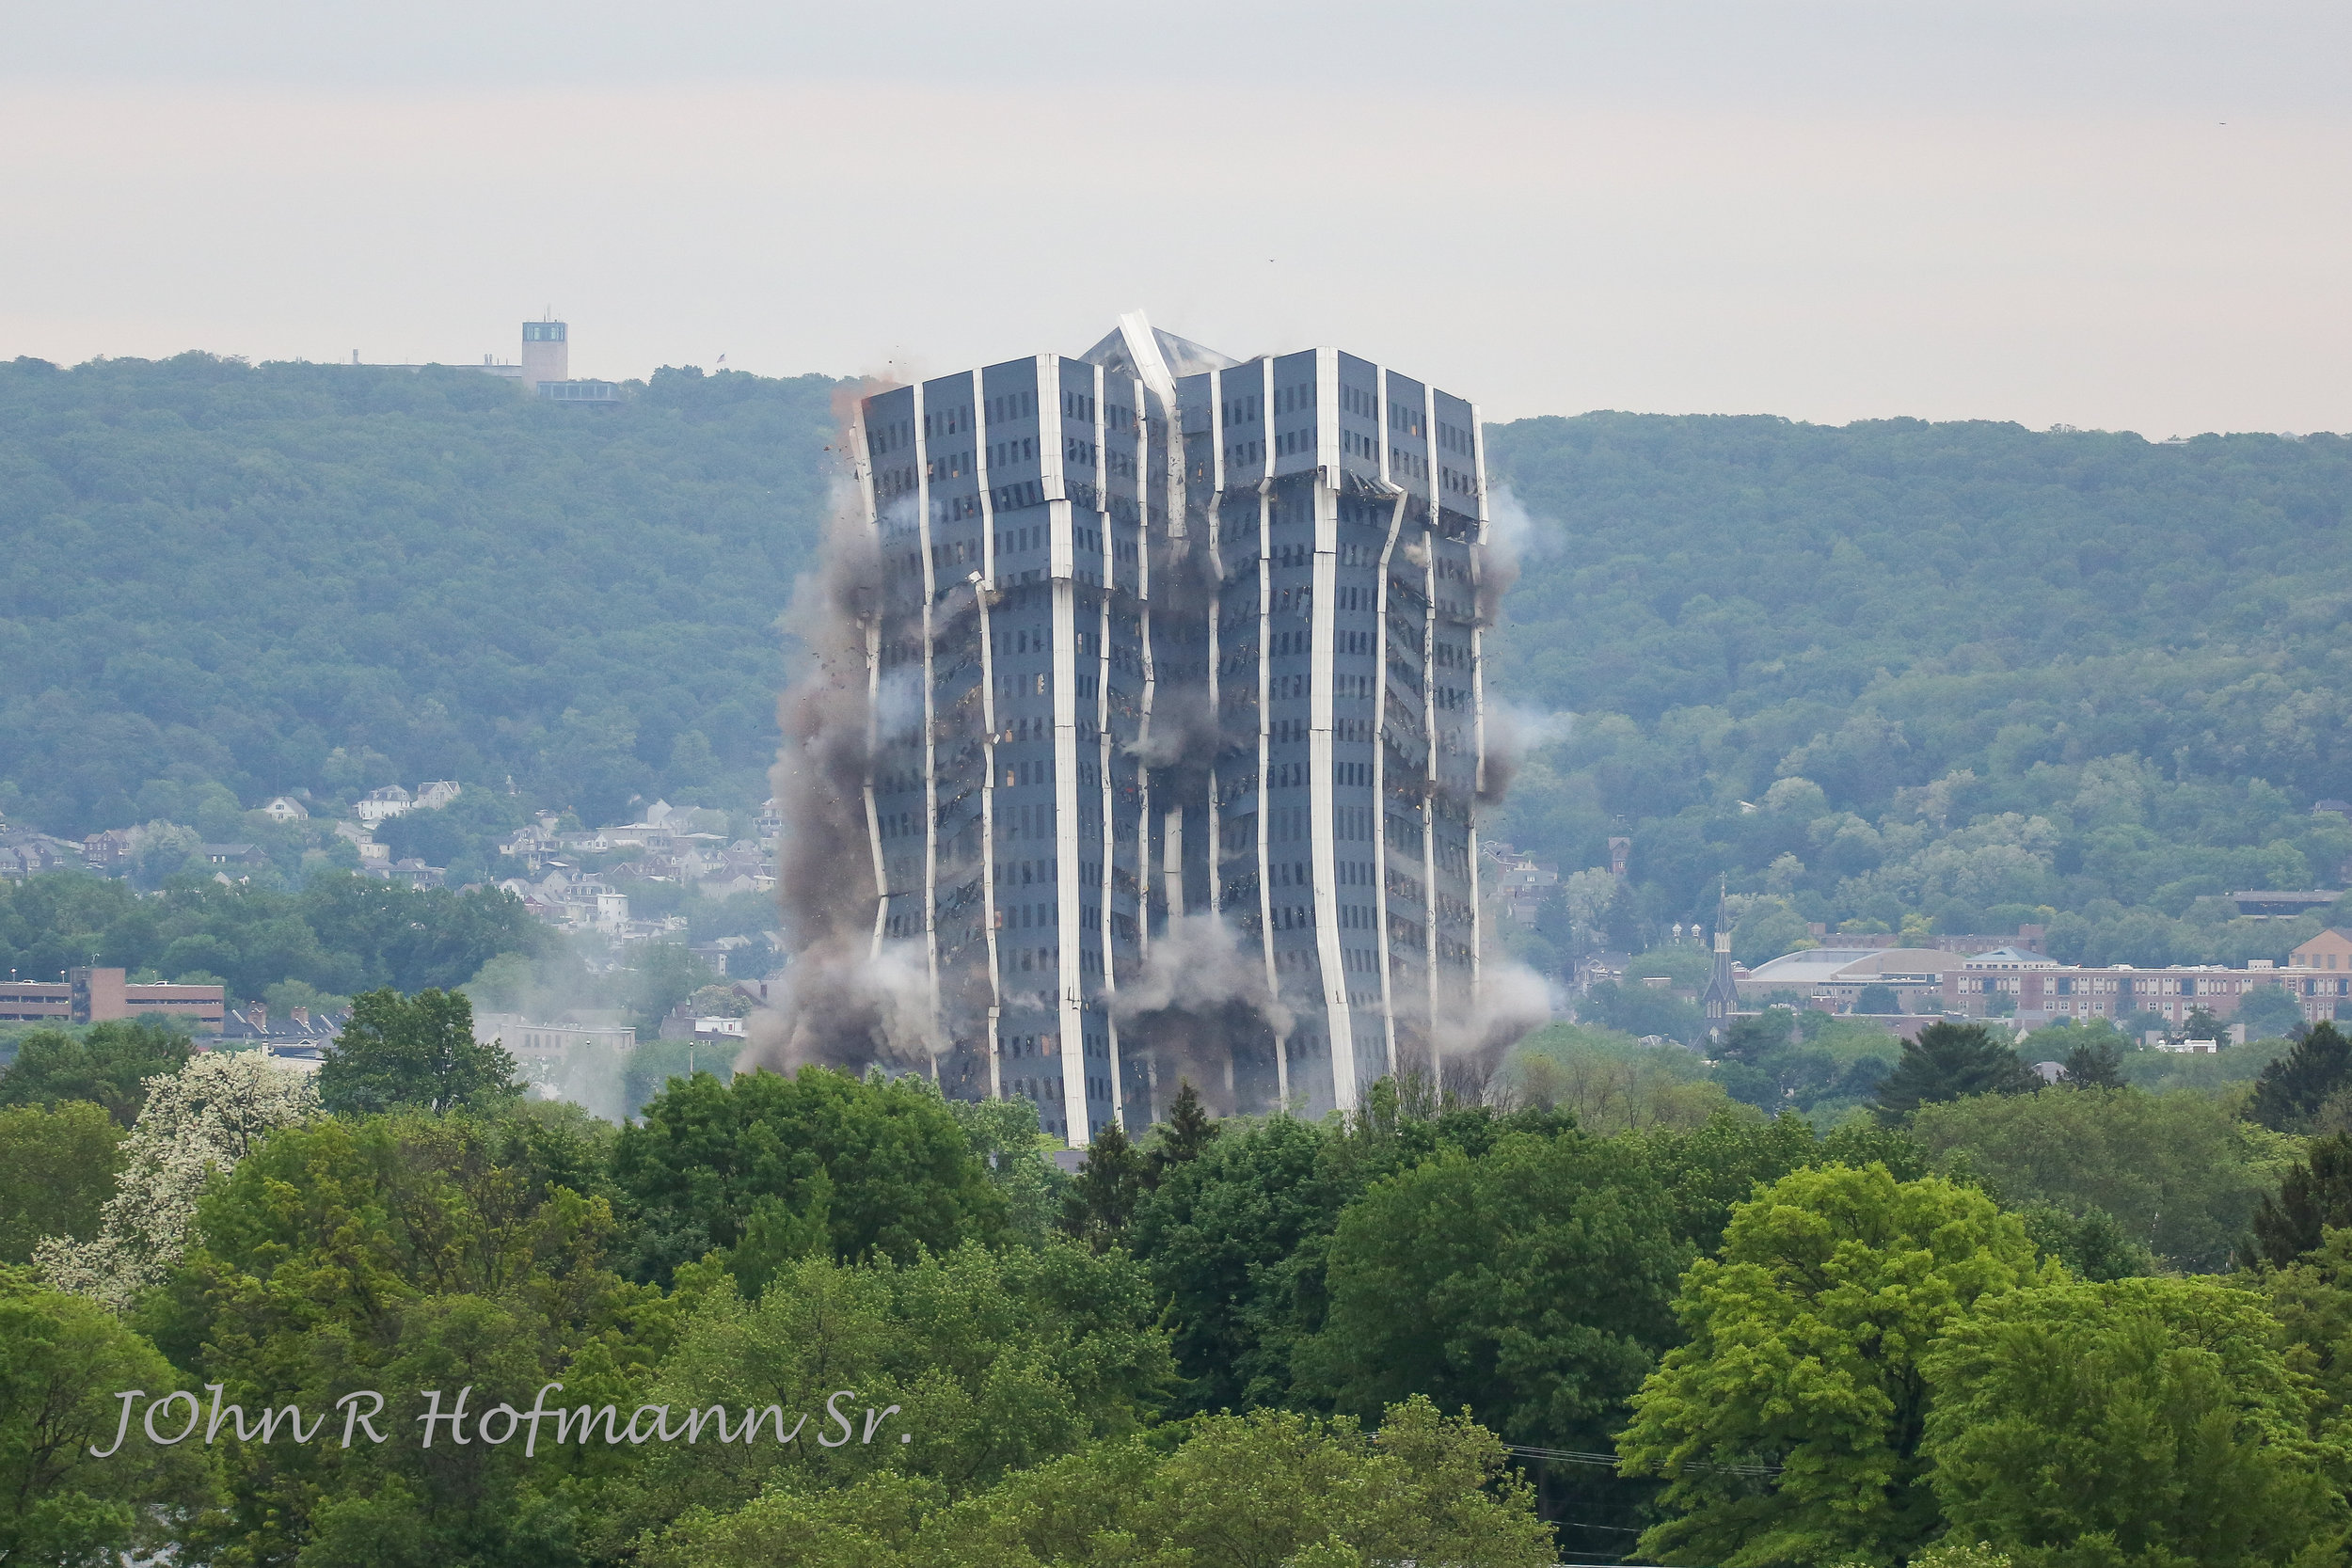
{"x":2106,"y":215}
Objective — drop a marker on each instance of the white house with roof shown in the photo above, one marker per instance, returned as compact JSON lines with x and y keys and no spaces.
{"x":392,"y":800}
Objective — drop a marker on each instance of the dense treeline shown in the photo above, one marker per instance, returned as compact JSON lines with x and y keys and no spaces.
{"x":333,"y":578}
{"x":340,"y":934}
{"x":1995,"y":1320}
{"x":1968,"y":674}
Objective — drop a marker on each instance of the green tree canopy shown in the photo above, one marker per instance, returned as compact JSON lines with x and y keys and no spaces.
{"x":2312,"y":1298}
{"x":2314,"y":1198}
{"x":1110,"y":1181}
{"x":894,"y":1166}
{"x":2269,"y":1012}
{"x":2094,"y":1064}
{"x":1235,"y":1238}
{"x":1949,"y":1061}
{"x":2292,"y":1090}
{"x":399,"y":1051}
{"x":57,"y":1168}
{"x":1789,"y":1427}
{"x":401,"y":1254}
{"x":1185,"y":1136}
{"x":1875,"y":998}
{"x":1711,"y":1168}
{"x":998,"y":1359}
{"x":1274,"y":1487}
{"x":107,"y":1064}
{"x":2177,"y":1171}
{"x":1529,"y":1284}
{"x":2143,"y":1422}
{"x":68,"y":1494}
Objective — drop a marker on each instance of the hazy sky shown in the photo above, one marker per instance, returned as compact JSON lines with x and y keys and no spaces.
{"x":2123,"y":215}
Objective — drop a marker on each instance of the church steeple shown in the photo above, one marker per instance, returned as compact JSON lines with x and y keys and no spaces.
{"x":1722,"y":996}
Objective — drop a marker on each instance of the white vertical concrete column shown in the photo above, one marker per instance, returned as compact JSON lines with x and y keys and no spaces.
{"x":873,"y":676}
{"x":1069,"y":985}
{"x":1429,"y":719}
{"x":1216,"y":847}
{"x":1379,"y":783}
{"x":1322,"y":807}
{"x":1478,"y":687}
{"x":985,"y":593}
{"x":1262,"y":385}
{"x":930,"y":717}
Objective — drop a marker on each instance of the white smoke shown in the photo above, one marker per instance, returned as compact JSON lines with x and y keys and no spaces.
{"x":1198,"y":965}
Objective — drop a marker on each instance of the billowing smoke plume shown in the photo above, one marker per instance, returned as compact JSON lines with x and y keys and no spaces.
{"x":1512,"y":1001}
{"x":1200,"y":1002}
{"x":842,"y":1005}
{"x":1509,"y":533}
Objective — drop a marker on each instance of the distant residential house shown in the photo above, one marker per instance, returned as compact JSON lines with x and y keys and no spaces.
{"x":285,"y":808}
{"x":1523,"y":882}
{"x":392,"y":800}
{"x":683,"y":1026}
{"x":108,"y":852}
{"x":716,"y":954}
{"x":233,"y":854}
{"x":378,"y":804}
{"x":23,"y":853}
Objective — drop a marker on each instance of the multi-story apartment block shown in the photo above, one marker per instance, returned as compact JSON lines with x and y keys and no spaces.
{"x":1164,"y":636}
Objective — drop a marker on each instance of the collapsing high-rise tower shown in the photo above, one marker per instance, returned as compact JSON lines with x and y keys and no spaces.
{"x":1177,"y":724}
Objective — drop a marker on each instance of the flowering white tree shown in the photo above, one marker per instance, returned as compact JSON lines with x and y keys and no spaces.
{"x":204,"y":1117}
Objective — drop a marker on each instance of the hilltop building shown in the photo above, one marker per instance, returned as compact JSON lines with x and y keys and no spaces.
{"x":1181,"y":635}
{"x":545,"y":368}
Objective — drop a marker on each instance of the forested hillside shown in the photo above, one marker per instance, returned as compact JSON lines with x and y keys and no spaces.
{"x":1964,"y":671}
{"x":335,"y":577}
{"x":1969,"y":674}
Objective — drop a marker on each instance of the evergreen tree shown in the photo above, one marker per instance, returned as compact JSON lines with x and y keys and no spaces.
{"x":1951,"y":1061}
{"x":2316,"y":1198}
{"x":1110,"y":1182}
{"x":2094,"y":1064}
{"x":2293,"y":1087}
{"x":1877,"y":999}
{"x":1754,"y":1040}
{"x":1188,"y":1130}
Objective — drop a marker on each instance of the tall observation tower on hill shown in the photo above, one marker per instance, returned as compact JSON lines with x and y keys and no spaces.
{"x":1178,"y":721}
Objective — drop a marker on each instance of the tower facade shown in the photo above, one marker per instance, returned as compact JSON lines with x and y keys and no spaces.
{"x":546,"y":353}
{"x":1178,"y":723}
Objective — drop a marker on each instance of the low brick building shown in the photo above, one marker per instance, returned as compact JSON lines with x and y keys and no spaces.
{"x":105,"y":995}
